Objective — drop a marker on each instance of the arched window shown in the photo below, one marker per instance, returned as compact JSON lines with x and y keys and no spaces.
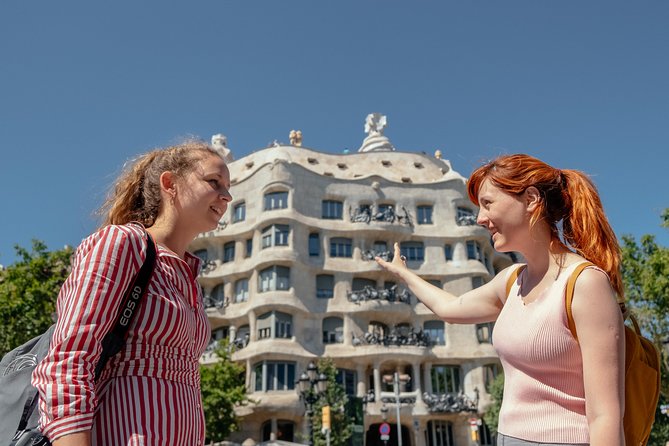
{"x":274,"y":278}
{"x":242,"y":290}
{"x":490,"y":373}
{"x":285,"y":430}
{"x":276,"y":200}
{"x":439,"y":433}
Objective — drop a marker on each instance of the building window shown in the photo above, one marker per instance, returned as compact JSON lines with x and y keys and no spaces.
{"x":249,"y":247}
{"x":359,"y":283}
{"x":275,"y":324}
{"x":242,"y":290}
{"x":218,"y":294}
{"x":341,"y":247}
{"x":439,"y":433}
{"x":424,"y":215}
{"x":275,"y":235}
{"x":242,"y":335}
{"x":220,"y":333}
{"x":274,"y":278}
{"x":413,"y":251}
{"x":486,"y":437}
{"x":239,"y":213}
{"x":285,"y":430}
{"x":465,"y":217}
{"x":445,"y":379}
{"x":348,"y":379}
{"x":435,"y":331}
{"x":332,"y":210}
{"x":325,"y":286}
{"x":448,"y":252}
{"x":473,"y":250}
{"x":477,"y":281}
{"x":333,"y":330}
{"x":314,"y":244}
{"x":202,"y":255}
{"x":276,"y":200}
{"x":386,"y":208}
{"x":229,"y":252}
{"x":484,"y":332}
{"x":272,"y":376}
{"x":490,"y":373}
{"x":380,"y":246}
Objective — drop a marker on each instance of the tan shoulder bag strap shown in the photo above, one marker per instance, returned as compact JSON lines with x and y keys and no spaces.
{"x":512,"y":278}
{"x":569,"y":295}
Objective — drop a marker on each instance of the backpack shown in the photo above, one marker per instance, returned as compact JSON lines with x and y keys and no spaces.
{"x":642,"y":367}
{"x":18,"y":397}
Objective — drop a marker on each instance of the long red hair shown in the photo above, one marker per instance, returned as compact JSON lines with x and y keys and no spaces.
{"x":569,"y":197}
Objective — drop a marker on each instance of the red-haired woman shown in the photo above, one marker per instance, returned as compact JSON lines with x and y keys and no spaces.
{"x":557,"y":390}
{"x":148,"y":394}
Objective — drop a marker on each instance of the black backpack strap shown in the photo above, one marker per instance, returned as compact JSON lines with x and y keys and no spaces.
{"x":114,"y":341}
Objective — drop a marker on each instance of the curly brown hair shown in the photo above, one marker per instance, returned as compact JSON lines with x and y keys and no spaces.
{"x":135,"y":195}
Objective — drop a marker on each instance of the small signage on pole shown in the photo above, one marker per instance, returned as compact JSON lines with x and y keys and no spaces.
{"x":384,"y":430}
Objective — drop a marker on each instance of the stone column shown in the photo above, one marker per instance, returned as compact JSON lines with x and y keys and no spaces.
{"x":427,"y":382}
{"x":252,"y":326}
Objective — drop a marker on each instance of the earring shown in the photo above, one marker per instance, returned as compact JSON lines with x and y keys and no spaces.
{"x":173,"y":197}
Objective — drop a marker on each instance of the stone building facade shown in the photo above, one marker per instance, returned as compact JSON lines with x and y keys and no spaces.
{"x":290,"y":277}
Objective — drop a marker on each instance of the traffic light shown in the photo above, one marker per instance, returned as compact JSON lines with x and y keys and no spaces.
{"x":326,"y":417}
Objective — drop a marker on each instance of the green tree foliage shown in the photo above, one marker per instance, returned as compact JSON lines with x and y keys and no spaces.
{"x":491,"y":415}
{"x":335,"y":397}
{"x":646,"y":278}
{"x":223,"y":389}
{"x":28,"y":291}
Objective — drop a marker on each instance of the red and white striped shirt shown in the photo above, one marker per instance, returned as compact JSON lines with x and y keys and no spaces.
{"x":149,"y":393}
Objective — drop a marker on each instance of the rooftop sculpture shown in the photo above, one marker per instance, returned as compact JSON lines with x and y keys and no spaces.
{"x":375,"y":141}
{"x":219,"y":142}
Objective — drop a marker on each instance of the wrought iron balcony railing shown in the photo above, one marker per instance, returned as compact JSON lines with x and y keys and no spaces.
{"x":450,"y":402}
{"x":370,"y":293}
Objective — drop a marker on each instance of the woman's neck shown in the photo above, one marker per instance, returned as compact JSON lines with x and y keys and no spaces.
{"x":167,"y":234}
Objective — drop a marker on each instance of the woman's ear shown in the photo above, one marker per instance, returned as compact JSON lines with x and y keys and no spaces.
{"x":168,"y":184}
{"x":532,"y":198}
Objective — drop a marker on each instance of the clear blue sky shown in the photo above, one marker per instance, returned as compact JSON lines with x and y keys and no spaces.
{"x":86,"y":85}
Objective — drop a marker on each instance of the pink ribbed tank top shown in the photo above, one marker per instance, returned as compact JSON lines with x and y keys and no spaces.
{"x":544,"y":398}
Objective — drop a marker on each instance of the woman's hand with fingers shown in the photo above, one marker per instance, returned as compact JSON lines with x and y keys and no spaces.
{"x":397,"y":266}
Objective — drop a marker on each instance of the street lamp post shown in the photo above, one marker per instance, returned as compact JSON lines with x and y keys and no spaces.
{"x":310,"y":387}
{"x":396,"y":379}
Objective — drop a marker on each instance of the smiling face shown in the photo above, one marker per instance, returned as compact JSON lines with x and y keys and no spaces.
{"x":203,"y":194}
{"x":506,"y":216}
